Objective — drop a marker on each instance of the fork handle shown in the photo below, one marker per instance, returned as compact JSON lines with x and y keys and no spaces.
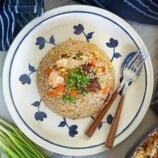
{"x":100,"y":115}
{"x":115,"y":122}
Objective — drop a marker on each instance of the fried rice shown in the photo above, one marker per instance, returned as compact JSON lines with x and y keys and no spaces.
{"x":75,"y":78}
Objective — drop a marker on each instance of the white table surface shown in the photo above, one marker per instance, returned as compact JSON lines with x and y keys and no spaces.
{"x":149,"y":34}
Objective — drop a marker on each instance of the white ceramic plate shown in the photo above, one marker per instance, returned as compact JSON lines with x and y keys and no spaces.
{"x":109,"y":32}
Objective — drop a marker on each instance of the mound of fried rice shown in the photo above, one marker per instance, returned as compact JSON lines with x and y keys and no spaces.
{"x":75,"y":78}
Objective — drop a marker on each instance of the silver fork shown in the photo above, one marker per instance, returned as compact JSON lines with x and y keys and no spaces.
{"x":130,"y":73}
{"x":132,"y":69}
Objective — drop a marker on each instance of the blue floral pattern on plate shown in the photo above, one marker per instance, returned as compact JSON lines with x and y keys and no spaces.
{"x":41,"y":41}
{"x":39,"y":115}
{"x":79,"y":29}
{"x":109,"y":120}
{"x":113,"y":43}
{"x":72,"y":128}
{"x":25,"y":78}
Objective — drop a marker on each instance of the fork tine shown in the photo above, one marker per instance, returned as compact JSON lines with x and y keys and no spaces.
{"x":135,"y":61}
{"x":144,"y":57}
{"x":137,"y":65}
{"x":139,"y":54}
{"x":140,"y":58}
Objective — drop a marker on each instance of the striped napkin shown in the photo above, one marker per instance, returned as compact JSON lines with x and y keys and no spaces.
{"x":14,"y":15}
{"x":144,"y":11}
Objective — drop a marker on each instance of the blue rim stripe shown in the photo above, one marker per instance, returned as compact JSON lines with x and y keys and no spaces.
{"x":10,"y":70}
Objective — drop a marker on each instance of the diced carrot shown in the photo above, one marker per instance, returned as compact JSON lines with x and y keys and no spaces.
{"x":93,"y":62}
{"x":60,"y":88}
{"x":56,"y":91}
{"x":73,"y":93}
{"x":52,"y":93}
{"x":103,"y":68}
{"x":104,"y":90}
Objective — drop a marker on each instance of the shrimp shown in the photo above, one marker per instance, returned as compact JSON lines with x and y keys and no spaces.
{"x":55,"y":79}
{"x":69,"y":63}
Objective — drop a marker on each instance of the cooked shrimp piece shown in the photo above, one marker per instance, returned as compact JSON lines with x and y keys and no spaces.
{"x":55,"y":79}
{"x":69,"y":63}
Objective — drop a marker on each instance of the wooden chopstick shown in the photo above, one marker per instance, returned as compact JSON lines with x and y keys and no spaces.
{"x":100,"y":115}
{"x":115,"y":122}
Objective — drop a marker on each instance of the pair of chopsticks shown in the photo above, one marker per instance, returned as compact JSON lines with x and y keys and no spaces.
{"x":99,"y":117}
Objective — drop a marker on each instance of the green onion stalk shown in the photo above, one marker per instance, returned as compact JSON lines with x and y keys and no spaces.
{"x":14,"y":144}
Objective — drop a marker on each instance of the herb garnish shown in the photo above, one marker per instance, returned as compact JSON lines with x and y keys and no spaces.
{"x":79,"y":54}
{"x":69,"y":98}
{"x":76,"y":79}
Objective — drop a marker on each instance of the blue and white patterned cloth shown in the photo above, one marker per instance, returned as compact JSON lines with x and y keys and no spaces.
{"x":14,"y":15}
{"x":144,"y":11}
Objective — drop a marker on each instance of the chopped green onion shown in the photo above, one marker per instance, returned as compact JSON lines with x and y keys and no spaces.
{"x":76,"y":79}
{"x":79,"y":54}
{"x":69,"y":98}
